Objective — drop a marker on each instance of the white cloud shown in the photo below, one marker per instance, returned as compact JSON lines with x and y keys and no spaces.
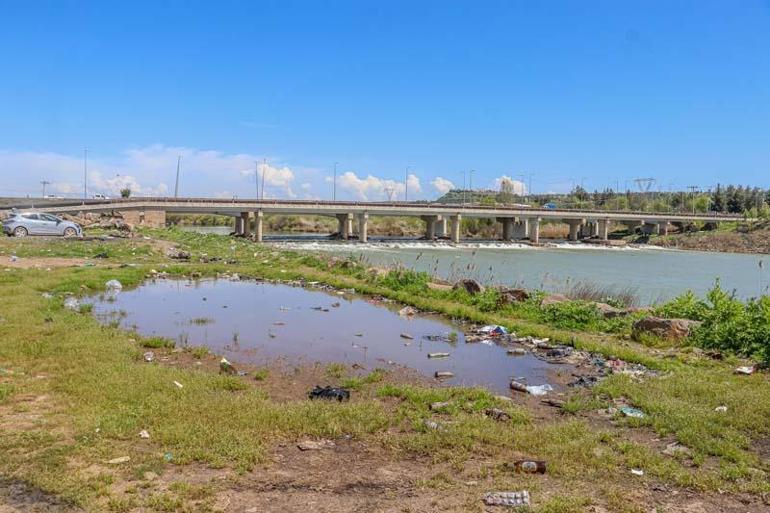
{"x":146,"y":171}
{"x":518,"y":186}
{"x":375,"y":188}
{"x":442,"y":185}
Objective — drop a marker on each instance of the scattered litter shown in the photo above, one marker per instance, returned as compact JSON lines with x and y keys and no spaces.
{"x":113,"y":285}
{"x":630,"y":411}
{"x":675,"y":448}
{"x":148,"y":356}
{"x":432,"y":424}
{"x":513,"y":499}
{"x":285,"y":308}
{"x":720,"y":409}
{"x":315,"y":445}
{"x":336,"y":304}
{"x":517,"y":351}
{"x":538,"y":390}
{"x":358,"y":335}
{"x":748,"y":369}
{"x":493,"y":330}
{"x":144,"y":434}
{"x":637,"y":472}
{"x":555,"y":403}
{"x":47,"y":295}
{"x":329,"y":393}
{"x":443,"y":374}
{"x":504,"y":398}
{"x":118,"y":461}
{"x":407,"y":336}
{"x":438,"y":355}
{"x":178,"y":384}
{"x":226,"y":367}
{"x":497,"y":414}
{"x":168,"y":457}
{"x":72,"y":303}
{"x":439,"y":405}
{"x":279,"y":324}
{"x":14,"y":258}
{"x":407,"y":311}
{"x":529,"y":466}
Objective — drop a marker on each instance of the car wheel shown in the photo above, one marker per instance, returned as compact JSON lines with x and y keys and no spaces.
{"x":70,"y":232}
{"x":20,"y":231}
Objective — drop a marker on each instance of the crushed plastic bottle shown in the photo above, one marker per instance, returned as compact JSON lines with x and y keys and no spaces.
{"x":514,"y":499}
{"x":529,"y":466}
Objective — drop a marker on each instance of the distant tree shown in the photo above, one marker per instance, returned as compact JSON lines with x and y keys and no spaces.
{"x":506,"y":191}
{"x":125,"y":192}
{"x":580,"y":194}
{"x":718,"y":199}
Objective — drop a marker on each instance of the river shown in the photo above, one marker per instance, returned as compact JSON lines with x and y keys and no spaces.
{"x":652,"y":274}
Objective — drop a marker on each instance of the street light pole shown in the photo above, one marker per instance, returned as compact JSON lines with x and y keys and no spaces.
{"x":264,"y":171}
{"x":85,"y":174}
{"x":334,"y":186}
{"x":470,"y":182}
{"x":406,"y":184}
{"x":176,"y":184}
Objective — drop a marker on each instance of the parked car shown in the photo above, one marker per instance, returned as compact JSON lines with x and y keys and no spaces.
{"x":38,"y":223}
{"x":550,"y":206}
{"x":101,"y":197}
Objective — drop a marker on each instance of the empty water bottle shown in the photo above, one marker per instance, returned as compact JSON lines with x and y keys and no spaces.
{"x":507,"y":498}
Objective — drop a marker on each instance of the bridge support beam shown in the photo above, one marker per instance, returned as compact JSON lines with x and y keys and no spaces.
{"x":520,"y":229}
{"x":589,"y":229}
{"x":443,"y":230}
{"x":663,"y":228}
{"x":345,"y":222}
{"x":456,"y":222}
{"x":430,"y":226}
{"x":245,"y":223}
{"x":258,"y":226}
{"x":574,"y":227}
{"x":507,"y":227}
{"x":604,"y":229}
{"x":363,"y":227}
{"x":534,"y":230}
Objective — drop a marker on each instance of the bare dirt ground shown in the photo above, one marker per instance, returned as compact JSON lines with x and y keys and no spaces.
{"x":40,"y":262}
{"x":757,"y":241}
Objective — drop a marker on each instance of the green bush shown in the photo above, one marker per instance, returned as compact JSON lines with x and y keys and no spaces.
{"x":728,"y":323}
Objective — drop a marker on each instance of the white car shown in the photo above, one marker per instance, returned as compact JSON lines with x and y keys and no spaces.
{"x":101,"y":196}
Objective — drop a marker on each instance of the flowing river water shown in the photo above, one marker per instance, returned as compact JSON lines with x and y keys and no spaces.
{"x":650,"y":273}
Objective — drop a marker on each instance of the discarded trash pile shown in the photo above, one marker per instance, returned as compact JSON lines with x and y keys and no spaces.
{"x":592,"y":367}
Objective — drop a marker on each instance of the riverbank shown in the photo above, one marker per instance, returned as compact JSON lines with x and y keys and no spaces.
{"x":730,"y":239}
{"x":74,"y":396}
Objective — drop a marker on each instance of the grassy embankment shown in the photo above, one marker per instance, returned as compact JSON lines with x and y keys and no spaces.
{"x":74,"y":394}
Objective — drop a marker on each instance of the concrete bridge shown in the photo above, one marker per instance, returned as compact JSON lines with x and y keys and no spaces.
{"x":441,"y":220}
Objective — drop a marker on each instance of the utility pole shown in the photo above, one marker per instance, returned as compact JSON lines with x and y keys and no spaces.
{"x":85,"y":174}
{"x":176,"y":185}
{"x":44,"y":182}
{"x":406,"y":184}
{"x":256,"y":176}
{"x":693,"y":189}
{"x":465,"y":186}
{"x":264,"y":172}
{"x":470,"y":182}
{"x":334,"y":186}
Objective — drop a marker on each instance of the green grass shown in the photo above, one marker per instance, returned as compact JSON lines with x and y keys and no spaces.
{"x":224,"y":421}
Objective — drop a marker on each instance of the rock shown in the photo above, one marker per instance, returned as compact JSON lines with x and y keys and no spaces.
{"x":672,"y":329}
{"x":113,"y":285}
{"x":497,"y":414}
{"x":439,"y":405}
{"x":118,"y":461}
{"x":150,"y":476}
{"x":675,"y":448}
{"x":407,"y":336}
{"x":407,"y":311}
{"x":470,"y":286}
{"x":315,"y":445}
{"x":178,"y":254}
{"x":554,"y":299}
{"x":72,"y":303}
{"x":609,"y":311}
{"x":144,"y":434}
{"x":508,"y":296}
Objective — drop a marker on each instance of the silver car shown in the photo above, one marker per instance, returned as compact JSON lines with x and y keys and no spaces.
{"x":38,"y":223}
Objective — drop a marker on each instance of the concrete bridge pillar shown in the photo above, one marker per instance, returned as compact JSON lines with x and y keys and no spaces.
{"x":258,"y":226}
{"x":345,"y":222}
{"x":520,"y":229}
{"x":246,"y":223}
{"x":238,"y":225}
{"x":632,"y":225}
{"x":574,"y":227}
{"x":507,"y":227}
{"x":430,"y":226}
{"x":663,"y":228}
{"x":456,"y":222}
{"x":604,"y":229}
{"x":443,"y":230}
{"x":363,"y":226}
{"x":534,"y":230}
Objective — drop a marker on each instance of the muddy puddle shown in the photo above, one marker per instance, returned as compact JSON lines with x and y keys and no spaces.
{"x":257,"y":323}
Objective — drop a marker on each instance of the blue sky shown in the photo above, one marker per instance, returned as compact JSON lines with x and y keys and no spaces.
{"x":592,"y":92}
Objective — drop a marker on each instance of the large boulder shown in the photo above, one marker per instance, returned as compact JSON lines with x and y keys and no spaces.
{"x":508,"y":296}
{"x":609,"y":311}
{"x":470,"y":286}
{"x":672,"y":329}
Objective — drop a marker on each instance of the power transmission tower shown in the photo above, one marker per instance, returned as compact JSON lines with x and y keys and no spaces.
{"x":44,"y":182}
{"x":389,"y":190}
{"x":644,"y":184}
{"x":693,"y":189}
